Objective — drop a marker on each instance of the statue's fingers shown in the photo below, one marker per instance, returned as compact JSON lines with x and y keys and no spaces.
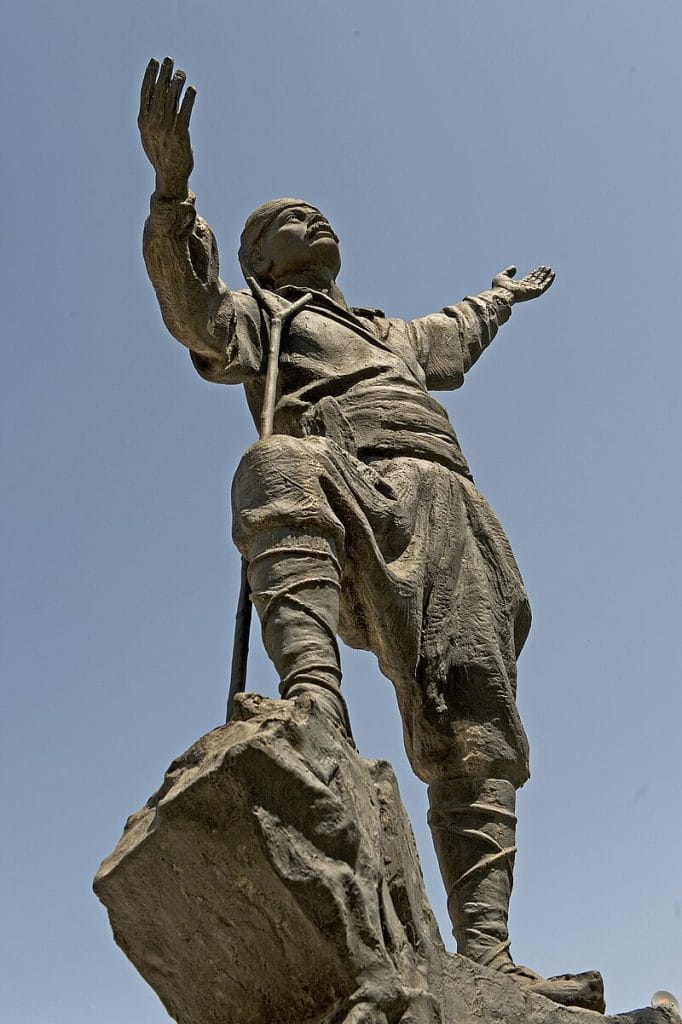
{"x":509,"y":271}
{"x":186,"y":108}
{"x":165,"y":72}
{"x":172,"y":94}
{"x":159,"y":96}
{"x":148,"y":86}
{"x":542,"y":278}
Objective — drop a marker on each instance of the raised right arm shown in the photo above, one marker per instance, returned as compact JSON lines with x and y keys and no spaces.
{"x":181,"y":257}
{"x":180,"y":251}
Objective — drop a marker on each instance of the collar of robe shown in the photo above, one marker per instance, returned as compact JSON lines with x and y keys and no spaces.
{"x":352,"y":317}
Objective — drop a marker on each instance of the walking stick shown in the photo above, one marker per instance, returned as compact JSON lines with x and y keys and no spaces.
{"x":279,"y":314}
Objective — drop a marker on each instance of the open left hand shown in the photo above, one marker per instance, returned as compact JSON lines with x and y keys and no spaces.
{"x":528,"y":287}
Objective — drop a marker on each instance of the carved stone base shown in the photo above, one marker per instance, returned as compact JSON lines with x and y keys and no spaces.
{"x":274,"y":879}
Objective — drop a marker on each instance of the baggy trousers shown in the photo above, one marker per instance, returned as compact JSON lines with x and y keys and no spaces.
{"x":424,"y":577}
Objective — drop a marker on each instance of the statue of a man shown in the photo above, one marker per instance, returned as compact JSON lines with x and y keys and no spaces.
{"x":359,"y":517}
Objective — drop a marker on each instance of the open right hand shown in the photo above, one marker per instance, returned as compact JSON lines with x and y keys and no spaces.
{"x":164,"y":127}
{"x":529,"y":287}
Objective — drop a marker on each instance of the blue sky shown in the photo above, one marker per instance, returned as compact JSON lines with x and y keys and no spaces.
{"x":445,"y":141}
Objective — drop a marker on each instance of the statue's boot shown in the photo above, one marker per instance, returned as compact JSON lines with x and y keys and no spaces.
{"x":295,"y":583}
{"x":474,"y":832}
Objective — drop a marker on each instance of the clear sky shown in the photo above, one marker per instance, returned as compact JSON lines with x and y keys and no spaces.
{"x":445,"y":140}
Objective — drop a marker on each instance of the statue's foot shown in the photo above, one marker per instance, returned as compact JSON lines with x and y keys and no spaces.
{"x":585,"y":990}
{"x":330,"y":703}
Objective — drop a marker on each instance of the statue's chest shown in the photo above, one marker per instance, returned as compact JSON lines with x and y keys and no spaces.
{"x":313,"y":336}
{"x":317,"y":344}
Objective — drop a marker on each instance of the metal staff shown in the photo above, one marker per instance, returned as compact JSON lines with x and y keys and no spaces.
{"x":279,"y":314}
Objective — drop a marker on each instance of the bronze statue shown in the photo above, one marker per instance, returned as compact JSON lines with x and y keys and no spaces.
{"x":358,"y":516}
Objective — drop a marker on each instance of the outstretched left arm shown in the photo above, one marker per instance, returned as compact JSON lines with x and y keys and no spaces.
{"x":448,"y":344}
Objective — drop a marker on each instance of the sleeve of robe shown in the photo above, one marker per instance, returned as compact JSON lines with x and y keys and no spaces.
{"x":220,"y":328}
{"x":448,"y":344}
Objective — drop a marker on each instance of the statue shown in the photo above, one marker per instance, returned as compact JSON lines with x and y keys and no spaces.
{"x":358,"y":515}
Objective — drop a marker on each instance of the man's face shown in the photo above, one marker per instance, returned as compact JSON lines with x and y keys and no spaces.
{"x":300,"y":239}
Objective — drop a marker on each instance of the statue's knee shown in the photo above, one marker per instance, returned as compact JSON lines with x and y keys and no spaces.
{"x":278,"y":484}
{"x":297,"y":454}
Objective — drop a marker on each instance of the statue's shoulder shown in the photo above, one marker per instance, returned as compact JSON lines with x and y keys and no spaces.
{"x":368,"y":312}
{"x":245,"y":303}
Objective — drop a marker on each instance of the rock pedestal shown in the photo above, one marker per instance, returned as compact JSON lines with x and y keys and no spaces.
{"x":273,"y":879}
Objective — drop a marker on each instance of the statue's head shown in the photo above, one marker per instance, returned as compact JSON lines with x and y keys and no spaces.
{"x":288,"y":240}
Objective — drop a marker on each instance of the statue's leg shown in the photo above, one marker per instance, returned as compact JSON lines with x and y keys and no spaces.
{"x":293,"y":542}
{"x":295,"y":580}
{"x":474,"y":833}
